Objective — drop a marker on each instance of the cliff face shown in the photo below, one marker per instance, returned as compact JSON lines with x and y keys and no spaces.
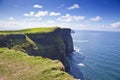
{"x":53,"y":45}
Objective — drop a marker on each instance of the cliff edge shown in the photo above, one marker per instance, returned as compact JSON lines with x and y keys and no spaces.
{"x":55,"y":43}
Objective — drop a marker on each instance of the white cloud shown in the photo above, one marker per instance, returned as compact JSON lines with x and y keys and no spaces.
{"x":9,"y":24}
{"x":50,"y":21}
{"x":37,"y":6}
{"x":33,"y":19}
{"x":38,"y":14}
{"x":41,"y":13}
{"x":97,"y":18}
{"x":78,"y":18}
{"x":29,"y":14}
{"x":11,"y":18}
{"x":74,"y":6}
{"x":54,"y":14}
{"x":14,"y":25}
{"x":39,"y":19}
{"x":66,"y":18}
{"x":69,"y":18}
{"x":115,"y":25}
{"x":26,"y":14}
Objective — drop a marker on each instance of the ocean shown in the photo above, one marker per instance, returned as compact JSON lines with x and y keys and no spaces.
{"x":97,"y":55}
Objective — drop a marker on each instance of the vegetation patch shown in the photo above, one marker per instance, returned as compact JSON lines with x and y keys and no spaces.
{"x":17,"y":65}
{"x":30,"y":41}
{"x":30,"y":31}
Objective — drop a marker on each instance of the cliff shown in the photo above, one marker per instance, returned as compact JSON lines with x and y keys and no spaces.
{"x":54,"y":44}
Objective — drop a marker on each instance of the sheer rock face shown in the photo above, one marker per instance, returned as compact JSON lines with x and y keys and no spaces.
{"x":53,"y":45}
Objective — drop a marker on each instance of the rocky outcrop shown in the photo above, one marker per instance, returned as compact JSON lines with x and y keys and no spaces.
{"x":54,"y":45}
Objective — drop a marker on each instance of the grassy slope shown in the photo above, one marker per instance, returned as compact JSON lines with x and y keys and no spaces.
{"x":32,"y":30}
{"x":16,"y":65}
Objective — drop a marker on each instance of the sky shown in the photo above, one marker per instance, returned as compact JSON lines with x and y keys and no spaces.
{"x":75,"y":14}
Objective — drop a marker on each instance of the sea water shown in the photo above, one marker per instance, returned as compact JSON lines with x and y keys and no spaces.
{"x":97,"y":54}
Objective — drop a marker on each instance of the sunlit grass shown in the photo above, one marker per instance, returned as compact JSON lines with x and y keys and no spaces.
{"x":16,"y":65}
{"x":32,"y":30}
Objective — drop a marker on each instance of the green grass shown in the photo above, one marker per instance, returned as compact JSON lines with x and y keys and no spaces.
{"x":16,"y":65}
{"x":30,"y":41}
{"x":32,"y":30}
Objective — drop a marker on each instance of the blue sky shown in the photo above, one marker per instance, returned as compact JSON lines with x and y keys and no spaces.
{"x":75,"y":14}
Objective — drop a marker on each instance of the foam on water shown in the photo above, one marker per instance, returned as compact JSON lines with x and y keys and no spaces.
{"x":80,"y":41}
{"x":77,"y":49}
{"x":81,"y":64}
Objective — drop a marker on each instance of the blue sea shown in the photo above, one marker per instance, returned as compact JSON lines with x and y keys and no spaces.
{"x":97,"y":55}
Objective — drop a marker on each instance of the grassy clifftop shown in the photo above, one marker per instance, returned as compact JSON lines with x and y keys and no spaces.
{"x":16,"y":65}
{"x":32,"y":30}
{"x":52,"y":43}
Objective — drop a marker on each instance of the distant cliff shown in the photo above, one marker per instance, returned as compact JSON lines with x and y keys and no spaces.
{"x":54,"y":45}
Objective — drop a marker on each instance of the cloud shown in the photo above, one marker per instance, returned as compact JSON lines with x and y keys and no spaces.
{"x":50,"y":21}
{"x":37,"y":6}
{"x":11,"y":18}
{"x":41,"y":13}
{"x":54,"y":14}
{"x":38,"y":14}
{"x":39,"y":19}
{"x":14,"y":25}
{"x":26,"y":14}
{"x":69,"y":18}
{"x":9,"y":24}
{"x":115,"y":25}
{"x":29,"y":14}
{"x":78,"y":18}
{"x":97,"y":18}
{"x":23,"y":24}
{"x":74,"y":6}
{"x":66,"y":18}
